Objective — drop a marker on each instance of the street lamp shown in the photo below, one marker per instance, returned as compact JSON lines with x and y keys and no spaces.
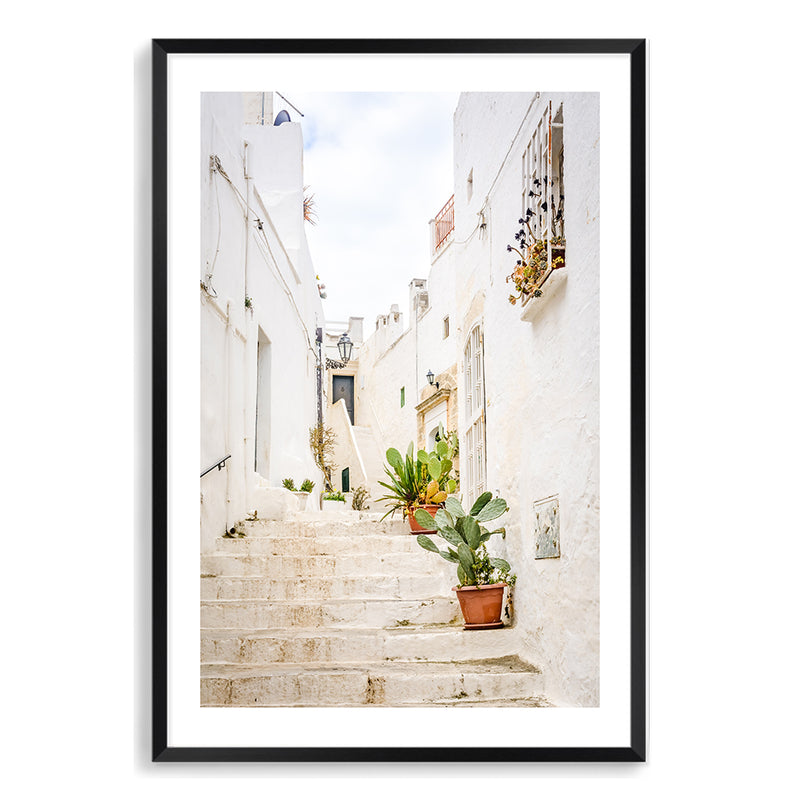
{"x":345,"y":347}
{"x":430,"y":377}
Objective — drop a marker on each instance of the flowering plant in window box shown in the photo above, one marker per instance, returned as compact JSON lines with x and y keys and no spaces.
{"x":537,"y":259}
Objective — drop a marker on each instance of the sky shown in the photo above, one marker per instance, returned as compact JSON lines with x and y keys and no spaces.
{"x":380,"y":166}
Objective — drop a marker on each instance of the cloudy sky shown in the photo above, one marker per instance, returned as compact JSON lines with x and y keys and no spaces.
{"x":380,"y":166}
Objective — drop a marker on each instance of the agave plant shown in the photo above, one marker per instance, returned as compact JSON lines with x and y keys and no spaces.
{"x":418,"y":480}
{"x":407,"y":479}
{"x":466,"y":536}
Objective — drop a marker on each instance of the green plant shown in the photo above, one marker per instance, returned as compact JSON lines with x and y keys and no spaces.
{"x":418,"y":480}
{"x":288,"y":483}
{"x":467,"y":536}
{"x":360,"y":496}
{"x":307,"y":485}
{"x":338,"y":496}
{"x":439,"y":464}
{"x":322,"y":441}
{"x":535,"y":261}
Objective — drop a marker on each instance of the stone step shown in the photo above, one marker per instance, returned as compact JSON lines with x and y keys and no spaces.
{"x":329,"y":523}
{"x":342,"y":646}
{"x":386,"y":587}
{"x":249,"y":614}
{"x":311,"y":566}
{"x":283,"y":545}
{"x":497,"y":681}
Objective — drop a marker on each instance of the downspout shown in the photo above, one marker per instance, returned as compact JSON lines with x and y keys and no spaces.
{"x":228,"y":519}
{"x":249,"y":419}
{"x":246,"y":218}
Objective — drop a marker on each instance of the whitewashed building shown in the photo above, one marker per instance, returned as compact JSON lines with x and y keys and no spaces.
{"x":260,"y":309}
{"x":518,"y":382}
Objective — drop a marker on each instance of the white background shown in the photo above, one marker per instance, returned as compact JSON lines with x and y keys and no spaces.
{"x":193,"y":726}
{"x":723,"y":398}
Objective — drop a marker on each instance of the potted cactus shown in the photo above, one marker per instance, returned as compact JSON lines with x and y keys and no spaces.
{"x":421,"y":481}
{"x":481,"y":580}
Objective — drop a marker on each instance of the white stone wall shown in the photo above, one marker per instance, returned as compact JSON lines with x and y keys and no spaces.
{"x":541,"y":377}
{"x":257,"y":404}
{"x":346,"y":454}
{"x":383,"y":373}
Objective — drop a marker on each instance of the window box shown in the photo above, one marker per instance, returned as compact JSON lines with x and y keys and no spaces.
{"x":552,"y":284}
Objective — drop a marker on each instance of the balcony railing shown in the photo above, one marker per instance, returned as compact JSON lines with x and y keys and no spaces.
{"x":443,"y":225}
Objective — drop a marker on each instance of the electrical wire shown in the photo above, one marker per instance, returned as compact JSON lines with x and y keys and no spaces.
{"x":271,"y":261}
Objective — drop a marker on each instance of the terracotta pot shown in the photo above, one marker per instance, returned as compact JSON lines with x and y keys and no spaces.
{"x":415,"y":526}
{"x":482,"y":606}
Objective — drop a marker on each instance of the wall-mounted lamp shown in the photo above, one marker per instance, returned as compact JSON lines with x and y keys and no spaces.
{"x":431,"y":376}
{"x":345,"y":347}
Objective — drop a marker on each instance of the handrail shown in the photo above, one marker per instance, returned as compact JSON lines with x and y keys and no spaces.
{"x":219,"y":465}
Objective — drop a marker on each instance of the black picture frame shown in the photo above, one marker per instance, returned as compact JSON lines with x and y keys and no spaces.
{"x":635,"y":751}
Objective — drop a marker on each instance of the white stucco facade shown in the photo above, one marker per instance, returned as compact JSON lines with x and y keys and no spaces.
{"x":539,"y":374}
{"x":259,"y":311}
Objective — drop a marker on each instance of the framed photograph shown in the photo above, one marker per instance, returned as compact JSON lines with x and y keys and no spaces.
{"x":399,"y":409}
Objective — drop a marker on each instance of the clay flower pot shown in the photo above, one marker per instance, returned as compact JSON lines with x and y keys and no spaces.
{"x":415,"y":526}
{"x":482,"y":606}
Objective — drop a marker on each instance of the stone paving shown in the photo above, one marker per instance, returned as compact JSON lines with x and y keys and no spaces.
{"x":342,"y":609}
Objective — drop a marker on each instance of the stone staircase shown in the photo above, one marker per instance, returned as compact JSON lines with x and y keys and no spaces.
{"x":341,"y":609}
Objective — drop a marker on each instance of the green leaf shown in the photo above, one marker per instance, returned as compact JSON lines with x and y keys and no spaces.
{"x":435,"y":469}
{"x":427,"y":544}
{"x":462,"y":576}
{"x":480,"y":503}
{"x":501,"y":564}
{"x":452,"y":485}
{"x":410,"y":452}
{"x":423,"y":457}
{"x":441,"y":448}
{"x":449,"y":555}
{"x":492,"y":510}
{"x":454,"y":507}
{"x":451,"y":536}
{"x":447,"y":465}
{"x":466,"y":558}
{"x":472,"y":532}
{"x":394,"y":458}
{"x":424,"y":519}
{"x":443,"y":518}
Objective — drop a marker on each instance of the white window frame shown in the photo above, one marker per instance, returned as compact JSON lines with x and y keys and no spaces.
{"x":538,"y":165}
{"x":473,"y":453}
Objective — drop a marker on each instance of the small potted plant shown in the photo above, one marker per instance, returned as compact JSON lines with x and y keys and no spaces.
{"x":537,"y":259}
{"x":418,"y":482}
{"x":333,"y":501}
{"x":306,"y":487}
{"x":481,"y":580}
{"x":360,"y":495}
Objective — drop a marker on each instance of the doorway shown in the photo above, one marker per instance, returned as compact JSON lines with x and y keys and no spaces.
{"x":343,"y":389}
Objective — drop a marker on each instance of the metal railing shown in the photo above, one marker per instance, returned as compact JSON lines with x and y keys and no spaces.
{"x":219,"y":465}
{"x":443,"y":224}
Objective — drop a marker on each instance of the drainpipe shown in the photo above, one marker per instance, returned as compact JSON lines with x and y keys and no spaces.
{"x":227,"y":373}
{"x":248,"y":395}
